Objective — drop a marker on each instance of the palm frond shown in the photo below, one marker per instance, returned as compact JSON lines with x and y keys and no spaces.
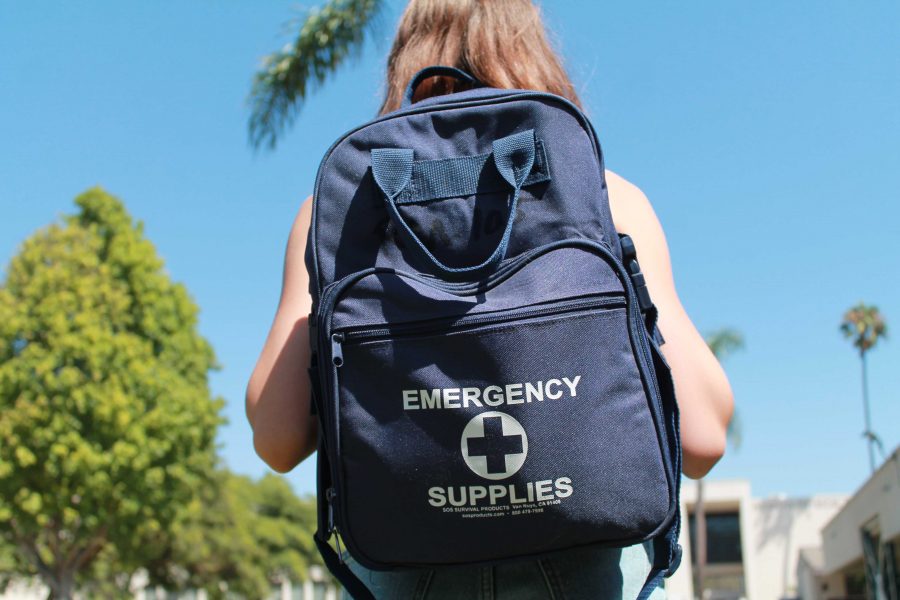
{"x":735,"y":431}
{"x":865,"y":325}
{"x":328,"y":36}
{"x":723,"y":342}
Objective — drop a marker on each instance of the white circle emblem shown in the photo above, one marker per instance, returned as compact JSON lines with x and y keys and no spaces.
{"x":494,"y":445}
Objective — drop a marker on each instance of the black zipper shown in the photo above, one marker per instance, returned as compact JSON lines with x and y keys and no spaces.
{"x":332,"y":293}
{"x":462,"y":323}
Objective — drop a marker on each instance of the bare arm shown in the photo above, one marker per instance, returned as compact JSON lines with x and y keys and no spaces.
{"x":704,"y":394}
{"x":278,"y":393}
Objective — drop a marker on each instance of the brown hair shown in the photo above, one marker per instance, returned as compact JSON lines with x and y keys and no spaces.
{"x":502,"y":43}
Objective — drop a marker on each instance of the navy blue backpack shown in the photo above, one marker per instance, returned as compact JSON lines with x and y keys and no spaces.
{"x":486,"y":366}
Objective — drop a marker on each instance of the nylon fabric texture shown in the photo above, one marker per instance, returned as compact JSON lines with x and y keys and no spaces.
{"x":495,"y":417}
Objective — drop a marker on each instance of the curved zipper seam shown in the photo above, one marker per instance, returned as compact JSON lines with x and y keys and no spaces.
{"x":605,"y":254}
{"x":633,"y":322}
{"x":509,"y":97}
{"x":368,"y":332}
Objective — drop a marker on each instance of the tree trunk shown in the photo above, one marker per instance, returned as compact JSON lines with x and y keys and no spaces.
{"x":870,"y":440}
{"x":62,"y":586}
{"x":61,"y":582}
{"x":699,"y":540}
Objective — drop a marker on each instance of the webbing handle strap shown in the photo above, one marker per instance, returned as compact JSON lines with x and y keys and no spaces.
{"x":392,"y":168}
{"x":461,"y":176}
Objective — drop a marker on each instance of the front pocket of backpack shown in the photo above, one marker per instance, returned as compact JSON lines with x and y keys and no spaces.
{"x":496,"y":435}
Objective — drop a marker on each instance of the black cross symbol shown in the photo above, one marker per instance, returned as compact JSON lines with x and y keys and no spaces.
{"x":494,"y":446}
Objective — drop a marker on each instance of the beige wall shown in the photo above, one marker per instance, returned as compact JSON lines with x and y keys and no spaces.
{"x":781,"y":527}
{"x":878,"y":498}
{"x":718,"y":495}
{"x":772,"y":532}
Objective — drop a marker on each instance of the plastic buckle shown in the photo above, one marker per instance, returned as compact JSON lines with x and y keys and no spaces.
{"x":629,"y":257}
{"x":675,"y":562}
{"x":629,"y":252}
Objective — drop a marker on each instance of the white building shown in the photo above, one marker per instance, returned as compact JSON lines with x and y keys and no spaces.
{"x":859,"y":553}
{"x":753,"y":544}
{"x":825,"y":547}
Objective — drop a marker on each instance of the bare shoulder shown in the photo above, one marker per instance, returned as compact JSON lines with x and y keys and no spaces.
{"x":633,"y":214}
{"x":295,"y":284}
{"x":620,"y":184}
{"x":629,"y":205}
{"x":303,"y":218}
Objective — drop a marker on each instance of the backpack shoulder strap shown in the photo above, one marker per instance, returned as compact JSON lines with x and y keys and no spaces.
{"x":353,"y":584}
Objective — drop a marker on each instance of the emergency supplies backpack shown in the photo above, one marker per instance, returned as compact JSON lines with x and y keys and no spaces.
{"x":485,"y":361}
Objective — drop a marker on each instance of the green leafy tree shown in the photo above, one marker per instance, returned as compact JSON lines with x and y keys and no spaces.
{"x":107,"y":576}
{"x":107,"y":425}
{"x":284,"y":529}
{"x":239,"y":536}
{"x":722,"y":342}
{"x":11,"y":566}
{"x":327,"y":37}
{"x":212,"y":545}
{"x":865,"y":327}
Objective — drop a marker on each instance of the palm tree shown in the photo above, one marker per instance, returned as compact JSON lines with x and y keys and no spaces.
{"x":722,"y":343}
{"x":328,"y":35}
{"x":865,"y":326}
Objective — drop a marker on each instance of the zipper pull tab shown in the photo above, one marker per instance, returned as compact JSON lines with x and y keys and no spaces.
{"x":337,"y":356}
{"x":330,"y":493}
{"x":340,"y":549}
{"x":329,"y":496}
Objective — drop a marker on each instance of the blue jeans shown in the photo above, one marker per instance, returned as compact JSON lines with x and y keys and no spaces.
{"x":582,"y":573}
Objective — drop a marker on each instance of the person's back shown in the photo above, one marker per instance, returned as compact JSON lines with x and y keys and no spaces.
{"x":503,"y":44}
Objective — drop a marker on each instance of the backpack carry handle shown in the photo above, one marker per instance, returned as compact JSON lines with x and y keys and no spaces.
{"x":434,"y":71}
{"x":392,"y":168}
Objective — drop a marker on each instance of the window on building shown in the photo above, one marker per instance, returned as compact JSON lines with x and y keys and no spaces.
{"x":892,"y":569}
{"x":723,"y":538}
{"x":855,"y":584}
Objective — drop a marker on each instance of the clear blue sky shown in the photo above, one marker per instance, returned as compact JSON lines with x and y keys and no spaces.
{"x":766,"y":134}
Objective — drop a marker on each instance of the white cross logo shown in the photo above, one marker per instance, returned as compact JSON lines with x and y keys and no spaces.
{"x":494,"y":445}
